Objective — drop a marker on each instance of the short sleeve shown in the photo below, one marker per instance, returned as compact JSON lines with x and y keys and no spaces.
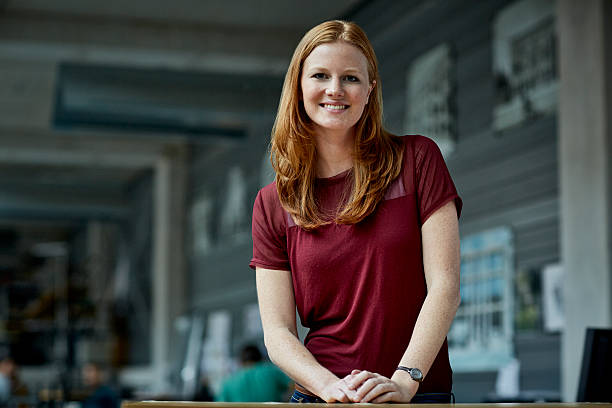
{"x":433,"y":181}
{"x":269,"y":232}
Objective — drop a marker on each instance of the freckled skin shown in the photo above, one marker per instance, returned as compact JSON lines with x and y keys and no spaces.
{"x":335,"y":73}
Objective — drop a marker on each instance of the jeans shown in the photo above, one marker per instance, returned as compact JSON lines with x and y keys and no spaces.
{"x":424,"y":398}
{"x":300,"y":397}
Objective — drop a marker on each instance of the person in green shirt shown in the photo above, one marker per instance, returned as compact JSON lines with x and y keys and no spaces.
{"x":256,"y":381}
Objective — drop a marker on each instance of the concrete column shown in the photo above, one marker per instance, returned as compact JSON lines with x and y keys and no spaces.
{"x":585,"y":149}
{"x":99,"y":271}
{"x":169,"y":294}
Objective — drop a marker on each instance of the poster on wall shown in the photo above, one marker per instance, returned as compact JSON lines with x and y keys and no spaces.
{"x":201,"y":224}
{"x":552,"y":289}
{"x":234,"y":221}
{"x":429,"y":98}
{"x":524,"y":62}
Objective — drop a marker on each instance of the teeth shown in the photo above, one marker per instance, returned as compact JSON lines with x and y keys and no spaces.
{"x":336,"y":107}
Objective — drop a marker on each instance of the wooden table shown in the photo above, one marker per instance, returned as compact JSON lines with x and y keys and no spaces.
{"x":185,"y":404}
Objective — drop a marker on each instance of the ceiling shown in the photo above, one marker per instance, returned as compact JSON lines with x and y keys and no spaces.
{"x":250,"y":13}
{"x":256,"y":36}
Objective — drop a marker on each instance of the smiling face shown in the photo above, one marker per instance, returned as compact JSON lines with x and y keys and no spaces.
{"x":335,"y":87}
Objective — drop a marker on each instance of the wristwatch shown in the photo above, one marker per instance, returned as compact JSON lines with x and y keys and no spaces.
{"x":415,"y":373}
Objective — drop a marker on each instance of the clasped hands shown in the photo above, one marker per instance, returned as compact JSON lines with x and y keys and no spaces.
{"x":366,"y":386}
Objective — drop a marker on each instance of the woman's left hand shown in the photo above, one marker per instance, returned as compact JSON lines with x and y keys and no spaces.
{"x":376,"y":388}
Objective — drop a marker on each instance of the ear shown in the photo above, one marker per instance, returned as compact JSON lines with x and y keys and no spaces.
{"x":370,"y":88}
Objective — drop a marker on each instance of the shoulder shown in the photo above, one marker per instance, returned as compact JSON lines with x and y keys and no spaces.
{"x":268,"y":201}
{"x":268,"y":197}
{"x":419,"y":142}
{"x":269,"y":216}
{"x":421,"y":147}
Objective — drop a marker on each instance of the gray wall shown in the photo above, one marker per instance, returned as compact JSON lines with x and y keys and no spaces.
{"x":220,"y":278}
{"x":507,"y":178}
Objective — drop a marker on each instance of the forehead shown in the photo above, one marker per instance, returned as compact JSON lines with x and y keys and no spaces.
{"x":337,"y":54}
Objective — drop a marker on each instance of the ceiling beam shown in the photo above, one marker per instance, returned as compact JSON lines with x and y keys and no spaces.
{"x":124,"y":41}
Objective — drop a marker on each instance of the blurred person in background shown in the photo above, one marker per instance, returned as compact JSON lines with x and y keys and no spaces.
{"x":8,"y":372}
{"x":99,"y":393}
{"x":256,"y":381}
{"x":359,"y":231}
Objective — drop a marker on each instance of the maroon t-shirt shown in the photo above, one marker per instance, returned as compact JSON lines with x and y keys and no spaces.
{"x":359,"y":288}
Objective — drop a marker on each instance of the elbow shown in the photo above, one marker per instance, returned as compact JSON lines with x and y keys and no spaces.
{"x":455,"y":296}
{"x":274,"y":358}
{"x":448,"y":293}
{"x":452,"y":289}
{"x":269,"y":347}
{"x":457,"y":300}
{"x":271,"y":342}
{"x":447,"y":298}
{"x":270,"y":350}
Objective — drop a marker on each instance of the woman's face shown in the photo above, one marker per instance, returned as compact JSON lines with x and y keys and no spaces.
{"x":335,"y":86}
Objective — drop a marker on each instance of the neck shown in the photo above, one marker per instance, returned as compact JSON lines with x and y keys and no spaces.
{"x":334,"y":152}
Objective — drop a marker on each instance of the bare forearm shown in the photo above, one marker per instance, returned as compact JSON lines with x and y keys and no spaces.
{"x":429,"y":332}
{"x":291,"y":356}
{"x":432,"y":326}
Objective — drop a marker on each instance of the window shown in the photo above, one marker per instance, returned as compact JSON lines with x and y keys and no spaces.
{"x":481,"y":335}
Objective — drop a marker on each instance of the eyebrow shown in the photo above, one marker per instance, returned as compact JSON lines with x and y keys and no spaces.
{"x":318,"y":68}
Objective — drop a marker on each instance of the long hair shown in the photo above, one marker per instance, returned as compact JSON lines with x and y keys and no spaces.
{"x":377,"y":154}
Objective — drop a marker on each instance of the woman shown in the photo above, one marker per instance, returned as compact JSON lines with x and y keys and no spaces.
{"x":359,"y":231}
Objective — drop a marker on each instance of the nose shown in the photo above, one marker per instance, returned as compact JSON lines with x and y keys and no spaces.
{"x":335,"y":88}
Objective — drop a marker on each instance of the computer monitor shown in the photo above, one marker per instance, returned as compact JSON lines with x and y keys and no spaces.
{"x":596,"y":374}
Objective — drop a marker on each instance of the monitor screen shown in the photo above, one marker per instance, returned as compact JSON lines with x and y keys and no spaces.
{"x":596,"y":374}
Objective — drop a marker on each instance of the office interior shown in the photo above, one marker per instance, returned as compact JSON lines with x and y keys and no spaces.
{"x":134,"y":137}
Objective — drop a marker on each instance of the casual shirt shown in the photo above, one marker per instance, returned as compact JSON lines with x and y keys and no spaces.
{"x":359,"y":288}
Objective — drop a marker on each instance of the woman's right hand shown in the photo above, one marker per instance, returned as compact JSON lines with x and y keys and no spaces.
{"x":338,"y":391}
{"x":277,"y":309}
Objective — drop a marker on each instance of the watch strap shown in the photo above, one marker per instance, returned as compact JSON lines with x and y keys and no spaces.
{"x":415,"y":373}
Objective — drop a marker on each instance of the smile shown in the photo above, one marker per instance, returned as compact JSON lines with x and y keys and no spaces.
{"x":334,"y":107}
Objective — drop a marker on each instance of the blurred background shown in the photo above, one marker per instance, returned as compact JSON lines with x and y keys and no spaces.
{"x":133,"y":140}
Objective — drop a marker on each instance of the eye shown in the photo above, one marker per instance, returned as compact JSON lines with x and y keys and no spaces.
{"x":351,"y":78}
{"x":319,"y":75}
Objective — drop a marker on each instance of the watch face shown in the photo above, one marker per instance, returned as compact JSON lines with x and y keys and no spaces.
{"x":416,"y":374}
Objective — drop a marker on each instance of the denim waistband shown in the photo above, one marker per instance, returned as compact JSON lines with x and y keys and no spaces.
{"x":300,"y":397}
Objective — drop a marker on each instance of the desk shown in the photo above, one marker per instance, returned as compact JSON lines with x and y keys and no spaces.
{"x":185,"y":404}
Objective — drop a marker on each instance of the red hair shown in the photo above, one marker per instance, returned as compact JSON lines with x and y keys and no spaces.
{"x":377,"y":154}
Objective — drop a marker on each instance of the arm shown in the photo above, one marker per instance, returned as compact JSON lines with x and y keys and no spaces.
{"x":441,"y":261}
{"x":277,"y":309}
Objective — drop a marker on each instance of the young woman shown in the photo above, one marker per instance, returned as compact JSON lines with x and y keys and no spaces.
{"x":359,"y":231}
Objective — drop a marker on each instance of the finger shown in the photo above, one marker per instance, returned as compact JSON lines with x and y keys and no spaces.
{"x":348,"y":378}
{"x":337,"y":396}
{"x":367,"y":387}
{"x":377,"y":391}
{"x":342,"y":396}
{"x":351,"y":396}
{"x":350,"y":393}
{"x":386,"y":397}
{"x":355,"y":372}
{"x":357,"y":380}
